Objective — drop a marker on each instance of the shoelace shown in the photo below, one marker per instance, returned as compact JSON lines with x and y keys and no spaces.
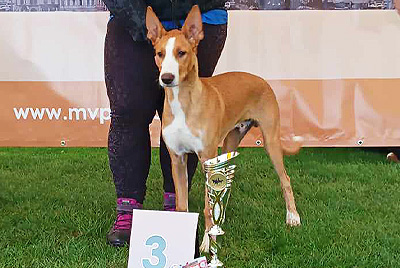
{"x":123,"y":221}
{"x":169,"y":207}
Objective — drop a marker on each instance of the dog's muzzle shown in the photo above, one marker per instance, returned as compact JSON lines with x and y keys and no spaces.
{"x":167,"y":78}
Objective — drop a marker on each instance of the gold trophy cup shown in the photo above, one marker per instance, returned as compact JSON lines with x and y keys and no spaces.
{"x":219,"y":177}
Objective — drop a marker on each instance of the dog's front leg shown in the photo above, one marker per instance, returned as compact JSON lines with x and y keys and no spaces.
{"x":205,"y":245}
{"x":207,"y":209}
{"x":180,"y":176}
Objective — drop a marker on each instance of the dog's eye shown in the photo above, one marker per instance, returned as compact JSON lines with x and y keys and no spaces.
{"x":159,"y":54}
{"x":181,"y":53}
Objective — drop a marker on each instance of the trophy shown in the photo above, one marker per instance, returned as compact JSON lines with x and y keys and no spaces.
{"x":219,"y":176}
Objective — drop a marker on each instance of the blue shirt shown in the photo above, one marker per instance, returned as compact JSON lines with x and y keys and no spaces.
{"x":214,"y":16}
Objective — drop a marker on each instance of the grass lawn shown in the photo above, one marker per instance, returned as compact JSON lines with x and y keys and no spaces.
{"x":57,"y":204}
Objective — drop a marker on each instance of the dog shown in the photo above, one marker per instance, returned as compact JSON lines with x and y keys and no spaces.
{"x":200,"y":113}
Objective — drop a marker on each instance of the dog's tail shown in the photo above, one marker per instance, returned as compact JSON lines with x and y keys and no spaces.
{"x":205,"y":245}
{"x":292,"y":147}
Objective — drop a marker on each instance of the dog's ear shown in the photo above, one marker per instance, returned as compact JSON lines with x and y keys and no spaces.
{"x":193,"y":26}
{"x":155,"y":30}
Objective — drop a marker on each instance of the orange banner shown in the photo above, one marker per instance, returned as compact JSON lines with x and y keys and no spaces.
{"x":346,"y":112}
{"x":335,"y":74}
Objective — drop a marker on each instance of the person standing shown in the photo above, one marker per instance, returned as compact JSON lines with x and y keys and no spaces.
{"x":131,"y":78}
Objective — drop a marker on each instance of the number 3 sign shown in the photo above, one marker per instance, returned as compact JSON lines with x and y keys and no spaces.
{"x":161,"y":239}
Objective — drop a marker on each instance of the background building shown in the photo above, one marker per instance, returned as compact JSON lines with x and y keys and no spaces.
{"x":51,"y":5}
{"x":98,"y":5}
{"x":309,"y":4}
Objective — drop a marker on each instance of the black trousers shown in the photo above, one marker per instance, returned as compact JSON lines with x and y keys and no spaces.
{"x":131,"y":78}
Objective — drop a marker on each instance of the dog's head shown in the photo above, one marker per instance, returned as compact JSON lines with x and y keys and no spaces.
{"x":175,"y":50}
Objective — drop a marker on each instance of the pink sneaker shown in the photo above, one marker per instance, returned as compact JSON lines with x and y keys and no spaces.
{"x":169,"y":201}
{"x":120,"y":232}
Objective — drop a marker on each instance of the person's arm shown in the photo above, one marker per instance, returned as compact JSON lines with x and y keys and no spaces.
{"x":131,"y":14}
{"x":397,"y":5}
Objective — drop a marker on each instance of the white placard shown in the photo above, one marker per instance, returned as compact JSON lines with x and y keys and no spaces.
{"x":161,"y":239}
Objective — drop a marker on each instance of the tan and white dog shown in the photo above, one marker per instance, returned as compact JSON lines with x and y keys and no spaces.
{"x":200,"y":113}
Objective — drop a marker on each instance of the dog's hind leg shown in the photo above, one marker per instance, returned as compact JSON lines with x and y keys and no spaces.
{"x":232,"y":140}
{"x":270,"y":126}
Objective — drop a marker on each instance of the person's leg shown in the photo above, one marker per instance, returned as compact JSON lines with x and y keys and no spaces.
{"x":210,"y":48}
{"x":209,"y":51}
{"x":130,"y":76}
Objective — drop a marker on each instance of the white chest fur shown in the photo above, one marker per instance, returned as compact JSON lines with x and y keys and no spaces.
{"x":177,"y":135}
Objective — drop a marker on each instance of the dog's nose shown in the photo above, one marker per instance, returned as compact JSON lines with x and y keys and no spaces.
{"x":167,"y":78}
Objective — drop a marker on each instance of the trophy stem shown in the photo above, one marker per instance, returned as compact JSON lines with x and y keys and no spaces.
{"x":215,"y":262}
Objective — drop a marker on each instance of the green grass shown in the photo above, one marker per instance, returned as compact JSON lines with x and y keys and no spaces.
{"x":56,"y":205}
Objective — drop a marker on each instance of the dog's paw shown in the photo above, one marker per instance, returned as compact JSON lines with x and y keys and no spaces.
{"x":392,"y":157}
{"x":292,"y":218}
